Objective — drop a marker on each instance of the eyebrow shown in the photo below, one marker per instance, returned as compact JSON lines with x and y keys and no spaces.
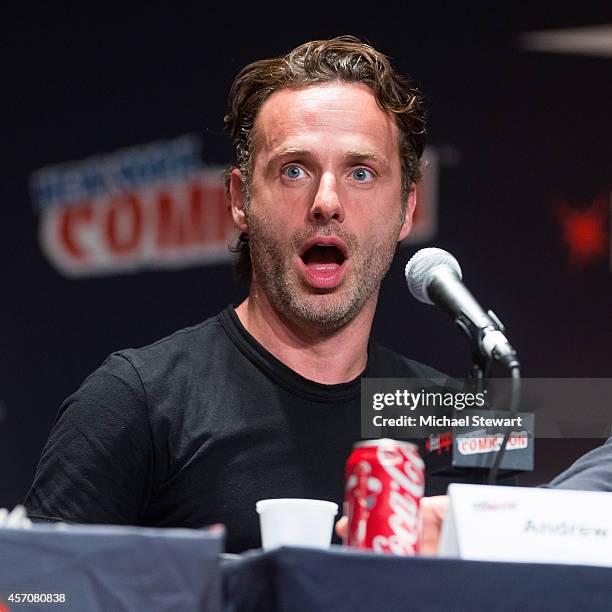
{"x":359,"y":156}
{"x":284,"y":151}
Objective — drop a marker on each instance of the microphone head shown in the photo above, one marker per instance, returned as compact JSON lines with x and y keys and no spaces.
{"x":420,"y":269}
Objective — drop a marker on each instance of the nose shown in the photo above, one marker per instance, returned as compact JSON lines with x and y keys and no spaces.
{"x":326,"y":205}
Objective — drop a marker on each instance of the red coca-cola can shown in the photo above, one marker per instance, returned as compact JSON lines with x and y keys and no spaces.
{"x":385,"y":480}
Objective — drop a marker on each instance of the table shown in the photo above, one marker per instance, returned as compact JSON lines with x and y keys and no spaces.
{"x":299,"y":579}
{"x":111,"y":568}
{"x":134,"y":569}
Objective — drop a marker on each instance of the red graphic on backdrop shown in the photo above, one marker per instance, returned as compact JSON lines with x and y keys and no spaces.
{"x":129,"y":230}
{"x":584,"y":230}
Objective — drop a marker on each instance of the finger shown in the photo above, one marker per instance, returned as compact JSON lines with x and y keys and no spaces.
{"x":341,"y":527}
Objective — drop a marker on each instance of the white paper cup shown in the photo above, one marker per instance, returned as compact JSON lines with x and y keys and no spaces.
{"x":296,"y":522}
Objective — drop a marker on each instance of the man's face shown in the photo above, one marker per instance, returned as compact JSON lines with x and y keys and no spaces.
{"x":324,"y":212}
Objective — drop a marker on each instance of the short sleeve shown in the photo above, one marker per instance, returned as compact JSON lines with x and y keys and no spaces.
{"x":96,"y":466}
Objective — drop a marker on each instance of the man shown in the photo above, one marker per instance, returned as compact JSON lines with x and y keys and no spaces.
{"x":261,"y":401}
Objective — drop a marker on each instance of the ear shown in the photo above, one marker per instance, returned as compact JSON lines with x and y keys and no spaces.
{"x":237,"y":201}
{"x":410,"y":206}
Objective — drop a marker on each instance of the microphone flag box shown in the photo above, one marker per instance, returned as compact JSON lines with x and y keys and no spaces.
{"x":476,"y":446}
{"x":458,"y":422}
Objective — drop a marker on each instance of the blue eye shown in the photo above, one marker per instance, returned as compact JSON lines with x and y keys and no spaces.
{"x":361,"y":175}
{"x":293,"y":172}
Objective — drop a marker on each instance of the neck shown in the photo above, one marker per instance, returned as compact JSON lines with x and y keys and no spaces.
{"x":328,"y":358}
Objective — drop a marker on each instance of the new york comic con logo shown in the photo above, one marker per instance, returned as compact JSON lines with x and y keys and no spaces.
{"x":151,"y":206}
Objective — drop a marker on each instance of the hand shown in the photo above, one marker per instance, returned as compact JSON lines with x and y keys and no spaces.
{"x":433,"y":511}
{"x":17,"y":518}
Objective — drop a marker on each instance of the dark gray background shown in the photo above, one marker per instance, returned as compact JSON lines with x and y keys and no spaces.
{"x":518,"y":132}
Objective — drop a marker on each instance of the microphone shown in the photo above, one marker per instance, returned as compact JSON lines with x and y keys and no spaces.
{"x":434,"y":277}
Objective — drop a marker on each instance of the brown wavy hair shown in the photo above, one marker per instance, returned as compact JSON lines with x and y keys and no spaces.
{"x":346,"y":59}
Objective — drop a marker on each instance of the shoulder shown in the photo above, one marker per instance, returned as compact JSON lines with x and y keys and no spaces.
{"x":591,"y":472}
{"x":137,"y":372}
{"x":385,"y":363}
{"x":177,"y":349}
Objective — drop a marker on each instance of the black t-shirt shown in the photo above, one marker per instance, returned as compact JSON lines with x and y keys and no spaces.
{"x":194,"y":429}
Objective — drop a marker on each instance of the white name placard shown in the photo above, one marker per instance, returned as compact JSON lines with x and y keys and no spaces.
{"x":530,"y":525}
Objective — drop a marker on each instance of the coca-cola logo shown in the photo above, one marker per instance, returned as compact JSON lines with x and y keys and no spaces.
{"x":406,"y":471}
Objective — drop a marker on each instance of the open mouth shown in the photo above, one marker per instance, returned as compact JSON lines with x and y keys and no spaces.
{"x":323,"y":255}
{"x":323,"y":262}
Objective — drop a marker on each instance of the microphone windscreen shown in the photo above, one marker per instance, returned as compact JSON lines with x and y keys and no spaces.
{"x":420,"y":267}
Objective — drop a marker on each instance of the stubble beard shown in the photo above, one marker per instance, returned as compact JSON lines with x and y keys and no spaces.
{"x":324,"y":311}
